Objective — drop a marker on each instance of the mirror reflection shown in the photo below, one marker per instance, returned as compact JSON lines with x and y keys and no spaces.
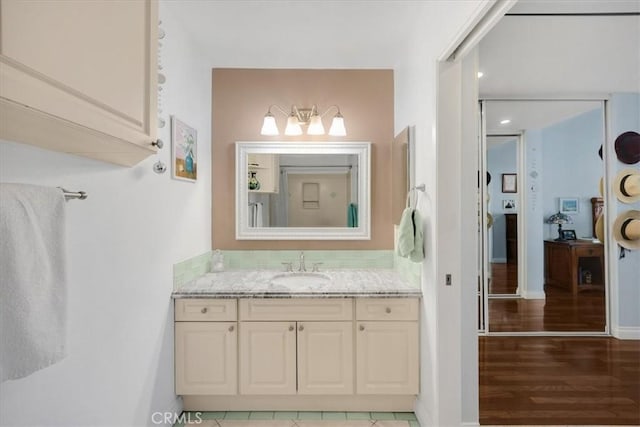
{"x":302,"y":190}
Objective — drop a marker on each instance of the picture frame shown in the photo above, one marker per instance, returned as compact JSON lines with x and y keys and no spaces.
{"x":184,"y":151}
{"x":508,"y":205}
{"x":509,"y":183}
{"x":569,"y":205}
{"x":568,"y":235}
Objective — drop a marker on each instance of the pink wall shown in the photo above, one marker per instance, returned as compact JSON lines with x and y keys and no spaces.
{"x":240,"y":100}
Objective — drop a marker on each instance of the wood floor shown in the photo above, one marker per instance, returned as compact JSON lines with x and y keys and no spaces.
{"x":504,"y":278}
{"x":560,"y":311}
{"x":558,"y":380}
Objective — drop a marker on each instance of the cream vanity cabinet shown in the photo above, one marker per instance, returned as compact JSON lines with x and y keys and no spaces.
{"x":206,"y":346}
{"x":296,"y":346}
{"x":297,"y":353}
{"x":80,"y":76}
{"x":387,"y":346}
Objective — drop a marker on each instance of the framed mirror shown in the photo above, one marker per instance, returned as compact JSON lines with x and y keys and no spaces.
{"x":303,"y":191}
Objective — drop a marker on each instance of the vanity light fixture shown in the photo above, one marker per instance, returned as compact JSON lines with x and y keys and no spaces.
{"x":299,"y":117}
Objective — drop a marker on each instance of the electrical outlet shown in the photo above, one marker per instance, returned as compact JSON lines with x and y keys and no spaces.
{"x":448,"y":280}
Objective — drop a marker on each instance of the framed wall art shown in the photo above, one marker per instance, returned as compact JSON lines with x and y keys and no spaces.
{"x":509,"y":183}
{"x":569,"y":206}
{"x":184,"y":150}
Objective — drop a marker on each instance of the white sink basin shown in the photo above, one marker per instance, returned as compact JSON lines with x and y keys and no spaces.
{"x":300,"y":279}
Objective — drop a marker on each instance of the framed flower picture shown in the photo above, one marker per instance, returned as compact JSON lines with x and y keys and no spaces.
{"x":184,"y":150}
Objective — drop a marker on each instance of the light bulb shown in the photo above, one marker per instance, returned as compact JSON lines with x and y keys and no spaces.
{"x":337,"y":126}
{"x":293,"y":126}
{"x":269,"y":126}
{"x":315,"y":126}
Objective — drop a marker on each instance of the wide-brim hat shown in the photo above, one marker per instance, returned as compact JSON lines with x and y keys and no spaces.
{"x":626,"y":229}
{"x":627,"y":147}
{"x":626,"y":186}
{"x":600,"y":228}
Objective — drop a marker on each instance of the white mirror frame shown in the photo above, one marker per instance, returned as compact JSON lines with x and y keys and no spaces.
{"x":361,"y":149}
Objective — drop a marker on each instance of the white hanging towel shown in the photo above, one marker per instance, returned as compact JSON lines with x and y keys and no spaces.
{"x":33,"y":294}
{"x":259,"y":215}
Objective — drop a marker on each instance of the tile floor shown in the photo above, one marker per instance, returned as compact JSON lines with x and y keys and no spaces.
{"x":299,"y":419}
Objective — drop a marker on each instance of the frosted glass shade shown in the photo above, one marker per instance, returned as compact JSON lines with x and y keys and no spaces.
{"x":315,"y":126}
{"x":293,"y":126}
{"x":337,"y":126}
{"x":269,"y":126}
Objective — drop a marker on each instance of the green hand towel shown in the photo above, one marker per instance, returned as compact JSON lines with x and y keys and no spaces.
{"x":406,"y":233}
{"x":417,"y":255}
{"x":352,"y":215}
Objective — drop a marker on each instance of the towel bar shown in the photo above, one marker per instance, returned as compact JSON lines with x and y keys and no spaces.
{"x":68,"y":195}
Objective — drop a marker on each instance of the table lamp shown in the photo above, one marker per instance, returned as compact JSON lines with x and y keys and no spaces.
{"x":559,"y":218}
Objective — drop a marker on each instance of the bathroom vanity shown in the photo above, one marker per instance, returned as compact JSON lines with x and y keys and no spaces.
{"x":262,"y":340}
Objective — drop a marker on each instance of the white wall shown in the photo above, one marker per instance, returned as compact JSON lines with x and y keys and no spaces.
{"x":415,"y":92}
{"x":501,"y":158}
{"x":121,"y":244}
{"x":572,"y":168}
{"x":533,"y":205}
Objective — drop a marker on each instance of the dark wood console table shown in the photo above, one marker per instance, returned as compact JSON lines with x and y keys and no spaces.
{"x":567,"y":264}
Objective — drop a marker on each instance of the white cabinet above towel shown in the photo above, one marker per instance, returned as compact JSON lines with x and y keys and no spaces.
{"x":80,"y":76}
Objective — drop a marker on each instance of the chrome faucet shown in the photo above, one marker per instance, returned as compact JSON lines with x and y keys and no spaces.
{"x":302,"y":266}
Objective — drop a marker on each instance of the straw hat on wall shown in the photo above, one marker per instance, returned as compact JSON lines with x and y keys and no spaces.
{"x":627,"y":186}
{"x":600,"y":228}
{"x":626,"y":229}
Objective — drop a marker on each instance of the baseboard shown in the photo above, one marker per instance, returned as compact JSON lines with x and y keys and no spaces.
{"x":422,"y":414}
{"x":470,"y":424}
{"x":626,"y":332}
{"x":499,"y":260}
{"x":534,"y":295}
{"x":300,"y":402}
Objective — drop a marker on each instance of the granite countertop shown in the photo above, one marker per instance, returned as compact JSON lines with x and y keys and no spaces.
{"x":380,"y":283}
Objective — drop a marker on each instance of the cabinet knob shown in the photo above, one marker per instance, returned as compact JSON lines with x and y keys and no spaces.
{"x":159,"y":143}
{"x":204,"y":310}
{"x":388,"y":310}
{"x":361,"y":327}
{"x":231,"y":328}
{"x":291,"y":328}
{"x":301,"y":328}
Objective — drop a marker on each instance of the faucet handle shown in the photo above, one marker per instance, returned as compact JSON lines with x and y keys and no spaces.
{"x":316,"y":266}
{"x":288,"y":266}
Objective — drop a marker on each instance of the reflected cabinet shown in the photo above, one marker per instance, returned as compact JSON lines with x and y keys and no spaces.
{"x":574,"y":265}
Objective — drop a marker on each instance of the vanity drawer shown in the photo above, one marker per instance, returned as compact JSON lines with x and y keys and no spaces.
{"x":296,"y":309}
{"x":387,"y":309}
{"x":204,"y":309}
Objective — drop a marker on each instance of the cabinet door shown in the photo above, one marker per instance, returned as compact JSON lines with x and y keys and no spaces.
{"x":80,"y":76}
{"x":387,"y":358}
{"x":206,"y":357}
{"x":325,"y":357}
{"x":267,"y":358}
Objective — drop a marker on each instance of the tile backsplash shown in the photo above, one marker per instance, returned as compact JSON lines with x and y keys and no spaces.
{"x":238,"y":260}
{"x":192,"y":268}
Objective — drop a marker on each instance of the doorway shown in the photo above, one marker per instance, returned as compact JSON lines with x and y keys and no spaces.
{"x":543,"y":266}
